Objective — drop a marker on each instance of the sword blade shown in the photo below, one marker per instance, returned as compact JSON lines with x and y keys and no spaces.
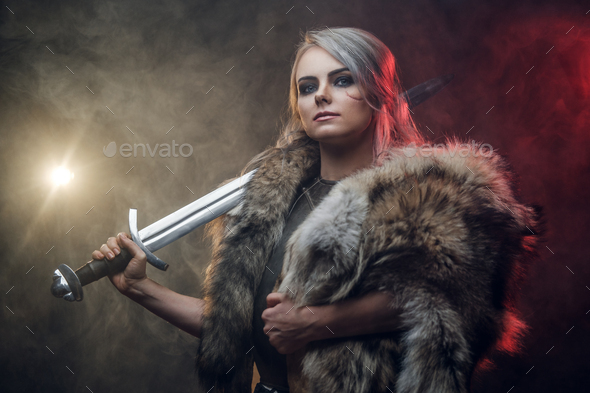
{"x":186,"y":219}
{"x":418,"y":94}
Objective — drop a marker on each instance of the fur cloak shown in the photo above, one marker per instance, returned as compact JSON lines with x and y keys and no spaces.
{"x":444,"y":234}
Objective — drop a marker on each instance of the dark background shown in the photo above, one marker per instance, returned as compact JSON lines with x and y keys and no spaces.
{"x":152,"y":61}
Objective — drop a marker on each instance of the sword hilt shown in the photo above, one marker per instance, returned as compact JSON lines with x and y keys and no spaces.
{"x":68,"y":283}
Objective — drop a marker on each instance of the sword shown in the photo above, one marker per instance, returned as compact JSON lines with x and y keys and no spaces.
{"x":68,"y":283}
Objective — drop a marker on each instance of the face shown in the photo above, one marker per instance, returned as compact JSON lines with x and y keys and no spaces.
{"x":325,"y":85}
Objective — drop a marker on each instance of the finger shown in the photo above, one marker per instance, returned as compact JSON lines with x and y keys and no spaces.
{"x":113,"y":245}
{"x":106,"y":251}
{"x":124,"y":240}
{"x":97,"y":255}
{"x":273,"y":299}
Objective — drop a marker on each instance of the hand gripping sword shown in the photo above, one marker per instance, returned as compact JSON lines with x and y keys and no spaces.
{"x":68,"y":283}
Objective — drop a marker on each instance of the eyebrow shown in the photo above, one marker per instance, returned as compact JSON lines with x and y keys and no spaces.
{"x":329,"y":74}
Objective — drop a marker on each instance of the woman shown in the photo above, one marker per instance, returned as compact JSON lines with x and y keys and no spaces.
{"x":397,"y":272}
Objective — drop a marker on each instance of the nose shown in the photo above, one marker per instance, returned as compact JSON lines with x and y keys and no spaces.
{"x":322,"y":95}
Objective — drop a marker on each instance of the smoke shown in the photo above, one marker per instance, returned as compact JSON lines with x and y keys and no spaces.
{"x":78,"y":76}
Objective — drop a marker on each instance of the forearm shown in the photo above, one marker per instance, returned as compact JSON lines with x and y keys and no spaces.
{"x":371,"y":313}
{"x":182,"y":311}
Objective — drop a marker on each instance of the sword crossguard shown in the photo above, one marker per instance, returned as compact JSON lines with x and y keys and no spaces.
{"x":151,"y":258}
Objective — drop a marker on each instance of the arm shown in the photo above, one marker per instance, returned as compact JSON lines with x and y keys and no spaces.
{"x":370,"y":313}
{"x":182,"y":311}
{"x":292,"y":328}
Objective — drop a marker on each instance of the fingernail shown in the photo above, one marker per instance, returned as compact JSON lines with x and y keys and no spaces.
{"x":117,"y":252}
{"x":110,"y":255}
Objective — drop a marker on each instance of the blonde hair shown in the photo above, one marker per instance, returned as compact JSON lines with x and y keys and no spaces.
{"x":374,"y":70}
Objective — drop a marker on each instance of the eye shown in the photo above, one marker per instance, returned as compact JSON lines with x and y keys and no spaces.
{"x":343,"y":81}
{"x":303,"y":89}
{"x":346,"y":79}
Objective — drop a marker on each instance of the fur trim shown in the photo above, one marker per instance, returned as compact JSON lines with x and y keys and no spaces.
{"x":444,"y":235}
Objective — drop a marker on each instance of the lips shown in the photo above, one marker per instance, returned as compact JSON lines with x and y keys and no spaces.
{"x":325,"y":114}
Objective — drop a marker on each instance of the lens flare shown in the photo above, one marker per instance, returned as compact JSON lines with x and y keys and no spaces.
{"x":62,"y":176}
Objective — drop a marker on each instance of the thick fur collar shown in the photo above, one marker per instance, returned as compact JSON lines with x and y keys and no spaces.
{"x":444,"y":234}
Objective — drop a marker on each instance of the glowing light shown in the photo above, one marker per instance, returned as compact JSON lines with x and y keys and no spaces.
{"x":62,"y":176}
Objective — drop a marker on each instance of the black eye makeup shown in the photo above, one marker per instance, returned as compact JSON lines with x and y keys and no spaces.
{"x":341,"y":81}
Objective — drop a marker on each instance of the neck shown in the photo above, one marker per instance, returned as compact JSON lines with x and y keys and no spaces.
{"x":340,"y":161}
